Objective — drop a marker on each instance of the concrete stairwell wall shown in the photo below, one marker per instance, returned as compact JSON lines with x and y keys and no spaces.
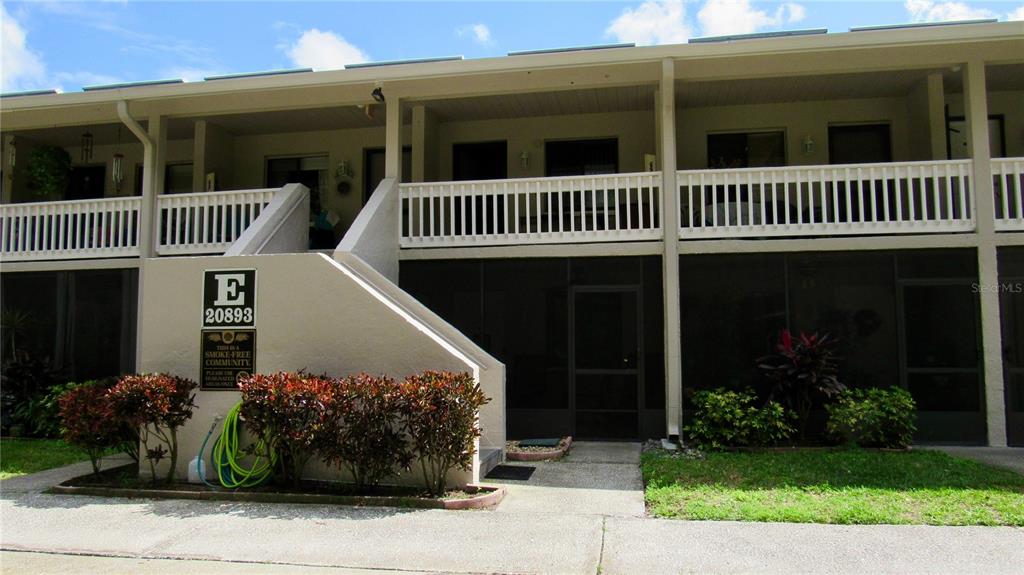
{"x":337,"y":316}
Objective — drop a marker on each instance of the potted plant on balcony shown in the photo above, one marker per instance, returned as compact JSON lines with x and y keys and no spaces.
{"x":49,"y":171}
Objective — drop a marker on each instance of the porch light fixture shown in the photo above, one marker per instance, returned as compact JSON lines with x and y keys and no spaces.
{"x":87,"y":147}
{"x":12,"y":155}
{"x":378,"y":94}
{"x":808,"y":145}
{"x":524,"y":159}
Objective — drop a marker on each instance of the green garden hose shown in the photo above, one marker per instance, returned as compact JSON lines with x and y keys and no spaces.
{"x":226,"y":456}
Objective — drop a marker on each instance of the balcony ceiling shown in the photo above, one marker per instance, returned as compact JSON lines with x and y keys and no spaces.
{"x":301,"y":120}
{"x":1002,"y":78}
{"x":505,"y":106}
{"x":71,"y":136}
{"x":798,"y":88}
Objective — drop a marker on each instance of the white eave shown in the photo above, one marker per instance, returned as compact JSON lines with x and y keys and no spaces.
{"x":864,"y":39}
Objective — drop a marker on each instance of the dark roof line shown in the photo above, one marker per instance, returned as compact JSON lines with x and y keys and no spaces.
{"x":255,"y":74}
{"x":572,"y":49}
{"x":922,"y":25}
{"x":131,"y":84}
{"x":758,"y":35}
{"x":27,"y":93}
{"x":400,"y":62}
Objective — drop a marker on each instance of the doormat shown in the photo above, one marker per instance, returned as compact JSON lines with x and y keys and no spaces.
{"x":513,"y":472}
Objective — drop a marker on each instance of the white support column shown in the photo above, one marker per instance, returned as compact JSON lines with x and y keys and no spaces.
{"x":936,"y":116}
{"x":666,"y":118}
{"x":419,"y":143}
{"x":976,"y":113}
{"x":199,"y":157}
{"x":393,"y":139}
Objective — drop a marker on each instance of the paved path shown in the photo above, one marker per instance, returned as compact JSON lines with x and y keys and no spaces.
{"x":593,"y":479}
{"x":1011,"y":458}
{"x":141,"y":535}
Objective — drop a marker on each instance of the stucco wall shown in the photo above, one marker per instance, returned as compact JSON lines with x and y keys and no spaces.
{"x":797,"y":119}
{"x":178,"y":151}
{"x":1011,"y":106}
{"x":251,"y":152}
{"x":634,"y":130}
{"x":311,"y":314}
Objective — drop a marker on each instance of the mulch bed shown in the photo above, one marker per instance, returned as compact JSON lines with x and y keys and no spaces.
{"x":124,"y":482}
{"x":516,"y":452}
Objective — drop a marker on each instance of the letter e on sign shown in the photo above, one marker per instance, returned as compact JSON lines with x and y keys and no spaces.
{"x":229,"y":298}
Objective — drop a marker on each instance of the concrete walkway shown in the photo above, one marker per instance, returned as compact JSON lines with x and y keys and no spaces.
{"x":1011,"y":458}
{"x":593,"y":479}
{"x":125,"y":535}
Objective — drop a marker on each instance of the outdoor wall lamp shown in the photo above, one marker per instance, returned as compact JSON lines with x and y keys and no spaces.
{"x":12,"y":155}
{"x":378,"y":94}
{"x":808,"y":145}
{"x":524,"y":159}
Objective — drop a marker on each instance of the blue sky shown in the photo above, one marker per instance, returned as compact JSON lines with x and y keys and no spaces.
{"x":69,"y":45}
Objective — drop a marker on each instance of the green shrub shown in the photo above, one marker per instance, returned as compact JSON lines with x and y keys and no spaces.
{"x":873,"y":417}
{"x":156,"y":405}
{"x":363,"y":431}
{"x":286,"y":410}
{"x":89,"y":423}
{"x":440,"y":417}
{"x":725,"y":418}
{"x":24,"y":383}
{"x":48,"y":170}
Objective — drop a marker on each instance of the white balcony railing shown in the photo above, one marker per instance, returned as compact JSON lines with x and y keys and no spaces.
{"x":892,"y":198}
{"x":208,"y":222}
{"x":1008,"y":185}
{"x":616,"y":207}
{"x":102,"y":228}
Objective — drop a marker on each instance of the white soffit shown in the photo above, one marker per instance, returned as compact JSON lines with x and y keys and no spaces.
{"x":533,"y":104}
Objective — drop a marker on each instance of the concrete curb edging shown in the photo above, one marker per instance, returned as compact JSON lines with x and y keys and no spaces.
{"x":484,"y":497}
{"x":539,"y":455}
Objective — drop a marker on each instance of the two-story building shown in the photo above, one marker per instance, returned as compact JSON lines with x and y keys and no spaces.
{"x":594,"y":232}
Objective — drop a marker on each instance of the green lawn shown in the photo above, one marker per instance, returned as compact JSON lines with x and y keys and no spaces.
{"x":22,"y":456}
{"x":843,"y":486}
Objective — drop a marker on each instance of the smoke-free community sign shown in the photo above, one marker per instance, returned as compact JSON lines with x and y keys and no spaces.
{"x":228,"y":345}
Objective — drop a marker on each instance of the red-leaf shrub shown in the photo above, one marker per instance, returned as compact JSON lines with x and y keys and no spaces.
{"x":440,"y":416}
{"x":363,"y":428}
{"x":89,"y":423}
{"x":156,"y":404}
{"x":287,"y":411}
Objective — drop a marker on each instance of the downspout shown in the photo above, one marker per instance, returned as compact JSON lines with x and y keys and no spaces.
{"x":146,"y":234}
{"x":145,"y":225}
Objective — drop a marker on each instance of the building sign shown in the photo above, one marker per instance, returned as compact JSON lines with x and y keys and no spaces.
{"x":229,"y":298}
{"x":228,"y":336}
{"x":226,"y":355}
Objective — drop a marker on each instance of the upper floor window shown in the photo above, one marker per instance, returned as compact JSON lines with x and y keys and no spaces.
{"x":859,"y":144}
{"x":581,"y":157}
{"x":746,"y":149}
{"x":480,"y":161}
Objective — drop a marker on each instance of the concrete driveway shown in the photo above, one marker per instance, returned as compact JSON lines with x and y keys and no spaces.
{"x":594,"y":478}
{"x":42,"y":533}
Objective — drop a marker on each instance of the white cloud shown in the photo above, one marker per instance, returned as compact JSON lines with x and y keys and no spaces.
{"x":1017,"y":14}
{"x":724,"y":17}
{"x":931,"y":11}
{"x":20,"y":67}
{"x":324,"y":51}
{"x":480,"y":32}
{"x":653,"y":22}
